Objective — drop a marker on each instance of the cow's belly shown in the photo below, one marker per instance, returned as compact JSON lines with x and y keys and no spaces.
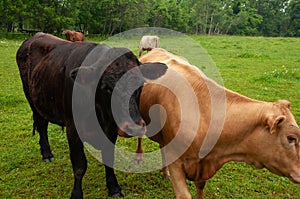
{"x":46,"y":92}
{"x":49,"y":109}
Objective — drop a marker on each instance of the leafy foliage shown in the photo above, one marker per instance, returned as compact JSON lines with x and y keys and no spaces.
{"x":107,"y":17}
{"x":294,"y":12}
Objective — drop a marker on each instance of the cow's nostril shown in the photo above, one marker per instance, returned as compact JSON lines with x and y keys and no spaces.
{"x":127,"y":129}
{"x":142,"y":123}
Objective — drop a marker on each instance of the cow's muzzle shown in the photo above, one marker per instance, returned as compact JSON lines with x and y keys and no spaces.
{"x":128,"y":129}
{"x":295,"y":178}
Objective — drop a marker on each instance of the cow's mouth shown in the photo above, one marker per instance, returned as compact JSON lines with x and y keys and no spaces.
{"x":129,"y":130}
{"x":294,"y":177}
{"x":275,"y":170}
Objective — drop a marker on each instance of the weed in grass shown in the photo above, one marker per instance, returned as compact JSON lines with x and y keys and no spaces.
{"x":252,"y":55}
{"x":282,"y":74}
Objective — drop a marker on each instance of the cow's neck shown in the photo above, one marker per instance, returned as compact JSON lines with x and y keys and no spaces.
{"x":243,"y":116}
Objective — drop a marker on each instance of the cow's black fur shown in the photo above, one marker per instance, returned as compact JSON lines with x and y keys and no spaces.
{"x":48,"y":68}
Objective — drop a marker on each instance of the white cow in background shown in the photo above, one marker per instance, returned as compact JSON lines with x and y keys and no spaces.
{"x":148,"y":43}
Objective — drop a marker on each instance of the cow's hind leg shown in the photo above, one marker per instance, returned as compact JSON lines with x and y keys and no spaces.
{"x":41,"y":125}
{"x":78,"y":160}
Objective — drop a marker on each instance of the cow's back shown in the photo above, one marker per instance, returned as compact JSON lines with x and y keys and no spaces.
{"x":179,"y":100}
{"x":45,"y":63}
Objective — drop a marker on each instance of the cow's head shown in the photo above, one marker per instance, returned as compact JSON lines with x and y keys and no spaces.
{"x":275,"y":145}
{"x":119,"y":88}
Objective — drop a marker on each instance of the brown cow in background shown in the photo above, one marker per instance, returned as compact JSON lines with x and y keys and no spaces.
{"x":73,"y":36}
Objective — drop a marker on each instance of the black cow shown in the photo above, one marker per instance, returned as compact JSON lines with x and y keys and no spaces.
{"x":51,"y":69}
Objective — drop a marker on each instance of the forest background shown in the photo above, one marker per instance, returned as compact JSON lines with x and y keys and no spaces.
{"x":109,"y":17}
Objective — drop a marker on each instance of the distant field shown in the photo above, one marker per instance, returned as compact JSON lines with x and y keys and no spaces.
{"x":261,"y":68}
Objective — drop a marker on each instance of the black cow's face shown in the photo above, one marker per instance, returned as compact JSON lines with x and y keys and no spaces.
{"x":119,"y":89}
{"x":125,"y":107}
{"x":123,"y":82}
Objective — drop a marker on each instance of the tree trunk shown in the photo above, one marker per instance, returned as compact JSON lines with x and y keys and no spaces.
{"x":211,"y":24}
{"x":9,"y":26}
{"x":229,"y":26}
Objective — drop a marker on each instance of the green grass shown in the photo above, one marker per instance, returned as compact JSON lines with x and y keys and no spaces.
{"x":261,"y":68}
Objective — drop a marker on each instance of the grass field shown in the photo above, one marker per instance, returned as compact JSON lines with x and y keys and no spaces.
{"x":261,"y":68}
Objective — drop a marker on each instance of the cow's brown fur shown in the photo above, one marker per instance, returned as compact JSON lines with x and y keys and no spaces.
{"x":264,"y":134}
{"x":73,"y":36}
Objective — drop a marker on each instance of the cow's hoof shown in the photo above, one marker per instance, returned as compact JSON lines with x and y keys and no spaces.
{"x":48,"y":159}
{"x":138,"y":162}
{"x":47,"y":156}
{"x":168,"y":177}
{"x":76,"y":195}
{"x":119,"y":194}
{"x":138,"y":159}
{"x":166,"y":173}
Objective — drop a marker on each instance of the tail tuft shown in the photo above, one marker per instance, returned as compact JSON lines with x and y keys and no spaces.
{"x":34,"y":128}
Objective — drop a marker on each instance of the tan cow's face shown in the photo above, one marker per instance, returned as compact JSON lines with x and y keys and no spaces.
{"x":289,"y":149}
{"x":277,"y":145}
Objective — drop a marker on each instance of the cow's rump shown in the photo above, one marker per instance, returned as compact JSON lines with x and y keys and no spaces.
{"x":45,"y":63}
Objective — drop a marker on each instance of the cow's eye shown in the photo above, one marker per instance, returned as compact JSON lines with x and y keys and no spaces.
{"x":292,"y":139}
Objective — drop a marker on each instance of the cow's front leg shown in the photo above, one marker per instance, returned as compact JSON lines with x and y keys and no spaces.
{"x":178,"y":178}
{"x":139,"y":153}
{"x":78,"y":160}
{"x":114,"y":189}
{"x":164,"y":169}
{"x":200,"y":187}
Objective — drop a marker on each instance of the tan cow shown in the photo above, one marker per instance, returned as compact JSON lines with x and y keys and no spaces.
{"x":147,"y":43}
{"x":73,"y":36}
{"x":264,"y":134}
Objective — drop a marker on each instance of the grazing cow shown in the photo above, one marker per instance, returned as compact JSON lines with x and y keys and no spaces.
{"x":264,"y":134}
{"x":49,"y":67}
{"x":148,"y":43}
{"x":72,"y":35}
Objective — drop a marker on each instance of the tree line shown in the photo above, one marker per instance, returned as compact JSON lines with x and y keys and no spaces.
{"x":108,"y":17}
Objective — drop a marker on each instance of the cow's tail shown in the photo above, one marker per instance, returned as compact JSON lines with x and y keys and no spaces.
{"x":34,"y":128}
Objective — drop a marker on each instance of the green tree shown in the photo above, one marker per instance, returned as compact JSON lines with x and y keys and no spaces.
{"x":51,"y":16}
{"x":294,"y":18}
{"x":245,"y":19}
{"x":111,"y":16}
{"x":11,"y":13}
{"x":273,"y":15}
{"x":203,"y":15}
{"x":168,"y":14}
{"x":107,"y":17}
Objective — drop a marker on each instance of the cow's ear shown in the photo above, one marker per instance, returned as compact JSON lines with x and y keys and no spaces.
{"x":153,"y":70}
{"x":275,"y":122}
{"x":83,"y":74}
{"x":284,"y":103}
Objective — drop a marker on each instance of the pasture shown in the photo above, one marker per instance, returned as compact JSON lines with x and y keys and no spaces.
{"x":261,"y":68}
